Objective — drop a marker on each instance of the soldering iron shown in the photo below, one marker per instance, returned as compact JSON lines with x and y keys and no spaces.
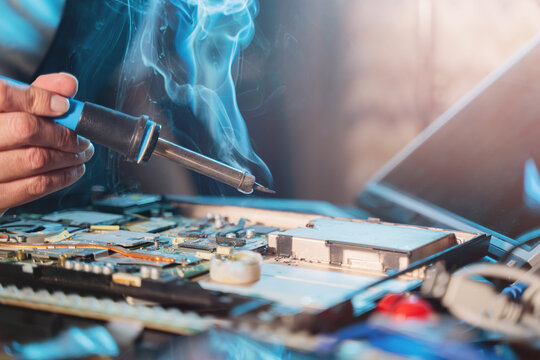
{"x":137,"y":138}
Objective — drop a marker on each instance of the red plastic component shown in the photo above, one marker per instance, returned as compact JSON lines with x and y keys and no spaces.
{"x":387,"y":303}
{"x":412,"y":307}
{"x":401,"y":307}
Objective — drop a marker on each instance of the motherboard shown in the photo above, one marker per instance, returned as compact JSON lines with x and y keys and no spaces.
{"x":185,"y":267}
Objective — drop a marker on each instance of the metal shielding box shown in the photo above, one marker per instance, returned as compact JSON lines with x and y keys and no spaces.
{"x":359,"y":244}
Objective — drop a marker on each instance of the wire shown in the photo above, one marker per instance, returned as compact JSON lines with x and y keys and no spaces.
{"x":116,"y":249}
{"x":523,"y":240}
{"x":477,"y":303}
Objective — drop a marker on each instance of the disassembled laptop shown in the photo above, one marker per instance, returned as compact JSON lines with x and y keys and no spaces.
{"x":183,"y":267}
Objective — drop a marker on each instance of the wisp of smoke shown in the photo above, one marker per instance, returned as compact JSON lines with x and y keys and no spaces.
{"x":194,"y":45}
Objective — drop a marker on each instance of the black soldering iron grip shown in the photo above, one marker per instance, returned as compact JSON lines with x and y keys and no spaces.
{"x":115,"y":130}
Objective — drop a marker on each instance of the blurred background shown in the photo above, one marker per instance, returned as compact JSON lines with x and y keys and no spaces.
{"x":331,"y":90}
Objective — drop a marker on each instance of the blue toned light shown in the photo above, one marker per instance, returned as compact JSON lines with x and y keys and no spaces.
{"x":42,"y":12}
{"x":26,"y":30}
{"x":208,"y":36}
{"x":531,"y":185}
{"x":23,"y":22}
{"x":70,"y":344}
{"x":15,"y":31}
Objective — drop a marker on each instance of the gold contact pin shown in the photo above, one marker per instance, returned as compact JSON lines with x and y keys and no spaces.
{"x":105,"y":227}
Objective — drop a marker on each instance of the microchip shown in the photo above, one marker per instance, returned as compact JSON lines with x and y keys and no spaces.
{"x":150,"y":226}
{"x":84,"y":218}
{"x":190,"y":234}
{"x":230,"y":241}
{"x":204,"y":246}
{"x":126,"y":202}
{"x":120,"y":238}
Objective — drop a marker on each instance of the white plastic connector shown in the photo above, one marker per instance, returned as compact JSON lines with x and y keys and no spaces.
{"x":479,"y":304}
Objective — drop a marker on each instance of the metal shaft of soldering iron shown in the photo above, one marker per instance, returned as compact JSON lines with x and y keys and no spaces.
{"x":214,"y":169}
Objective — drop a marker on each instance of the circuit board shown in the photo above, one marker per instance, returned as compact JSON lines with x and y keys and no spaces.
{"x":228,"y":262}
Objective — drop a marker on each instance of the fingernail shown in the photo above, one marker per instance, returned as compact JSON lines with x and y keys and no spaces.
{"x":87,"y":155}
{"x":59,"y":104}
{"x":74,"y":78}
{"x":83,"y":144}
{"x":78,"y":171}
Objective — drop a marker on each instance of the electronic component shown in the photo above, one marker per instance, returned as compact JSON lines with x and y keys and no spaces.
{"x":468,"y":296}
{"x":151,"y":226}
{"x":93,"y":267}
{"x":360,"y":244}
{"x":237,"y":268}
{"x":224,"y":231}
{"x":194,"y":259}
{"x":148,"y":259}
{"x":155,"y":257}
{"x":127,"y":279}
{"x":118,"y":238}
{"x":116,"y":260}
{"x":188,"y":272}
{"x":58,"y":237}
{"x":126,"y":203}
{"x":231,"y":240}
{"x":104,"y":227}
{"x":6,"y":254}
{"x":66,"y":253}
{"x":31,"y":231}
{"x":179,"y":257}
{"x":188,"y":235}
{"x":207,"y":233}
{"x":254,"y":230}
{"x":153,"y":317}
{"x":207,"y":244}
{"x":84,"y":218}
{"x":198,"y":244}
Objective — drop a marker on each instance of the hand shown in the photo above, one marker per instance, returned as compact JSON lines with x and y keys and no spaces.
{"x":37,"y":155}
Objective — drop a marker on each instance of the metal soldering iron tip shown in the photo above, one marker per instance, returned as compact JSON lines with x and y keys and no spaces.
{"x":261,"y":188}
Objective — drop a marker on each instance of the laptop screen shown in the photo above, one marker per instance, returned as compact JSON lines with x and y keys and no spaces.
{"x":482,"y":158}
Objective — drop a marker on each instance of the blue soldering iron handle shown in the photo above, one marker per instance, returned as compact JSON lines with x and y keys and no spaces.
{"x":71,"y":118}
{"x":133,"y":137}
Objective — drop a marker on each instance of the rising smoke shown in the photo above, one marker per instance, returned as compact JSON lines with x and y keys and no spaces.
{"x":194,"y":46}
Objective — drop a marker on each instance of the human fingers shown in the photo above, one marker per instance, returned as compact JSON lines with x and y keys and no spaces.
{"x":22,"y":191}
{"x":23,"y":129}
{"x":31,"y":99}
{"x":29,"y":161}
{"x":60,"y":83}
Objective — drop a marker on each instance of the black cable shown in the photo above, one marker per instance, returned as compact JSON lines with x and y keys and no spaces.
{"x":527,"y":241}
